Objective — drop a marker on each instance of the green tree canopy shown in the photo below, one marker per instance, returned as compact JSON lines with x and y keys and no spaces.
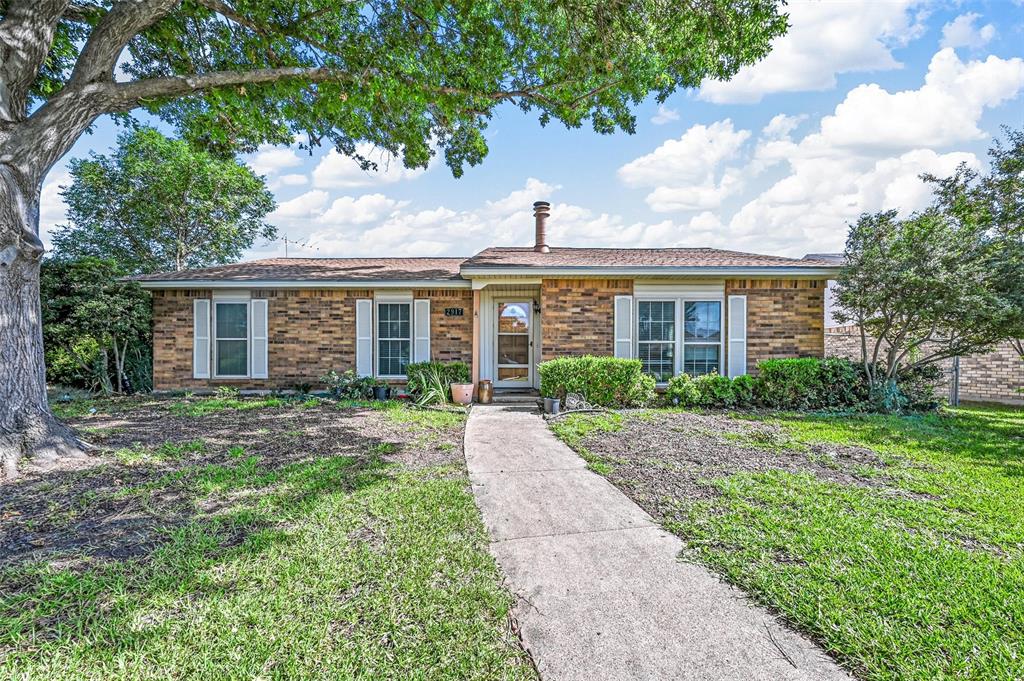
{"x":946,"y":281}
{"x":993,"y":203}
{"x":158,"y":204}
{"x":95,"y":323}
{"x":408,"y":76}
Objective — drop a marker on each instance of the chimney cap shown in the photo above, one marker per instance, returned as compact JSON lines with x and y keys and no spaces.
{"x":541,"y":204}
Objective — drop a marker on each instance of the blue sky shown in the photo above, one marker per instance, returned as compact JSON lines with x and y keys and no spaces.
{"x":851,"y":106}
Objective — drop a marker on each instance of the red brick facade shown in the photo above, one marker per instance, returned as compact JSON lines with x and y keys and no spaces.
{"x":312,"y":331}
{"x":577,"y":315}
{"x":785,"y":317}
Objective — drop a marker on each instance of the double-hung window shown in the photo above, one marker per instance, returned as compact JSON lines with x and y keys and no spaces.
{"x":656,"y":337}
{"x":231,"y":340}
{"x":664,"y":352}
{"x":702,"y":337}
{"x":394,"y":338}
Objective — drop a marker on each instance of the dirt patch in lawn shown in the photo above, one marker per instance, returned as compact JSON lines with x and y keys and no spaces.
{"x":658,"y":458}
{"x":138,"y":487}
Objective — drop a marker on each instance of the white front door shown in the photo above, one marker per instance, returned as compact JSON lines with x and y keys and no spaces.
{"x":514,"y":352}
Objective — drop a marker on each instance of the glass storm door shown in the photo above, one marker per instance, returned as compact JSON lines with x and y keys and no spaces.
{"x":514,"y":354}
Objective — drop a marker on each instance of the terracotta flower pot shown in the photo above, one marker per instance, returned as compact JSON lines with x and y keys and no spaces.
{"x":462,"y":393}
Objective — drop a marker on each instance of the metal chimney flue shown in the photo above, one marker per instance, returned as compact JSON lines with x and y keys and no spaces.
{"x":541,"y":211}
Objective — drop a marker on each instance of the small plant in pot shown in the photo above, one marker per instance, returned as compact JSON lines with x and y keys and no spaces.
{"x":381,"y":391}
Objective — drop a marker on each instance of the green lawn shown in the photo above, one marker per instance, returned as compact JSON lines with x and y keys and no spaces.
{"x":265,"y":562}
{"x":909,"y":566}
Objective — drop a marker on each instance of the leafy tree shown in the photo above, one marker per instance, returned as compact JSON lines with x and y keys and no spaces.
{"x":159,"y":204}
{"x":994,"y":203}
{"x":95,"y":321}
{"x":944,"y":282}
{"x":232,"y":74}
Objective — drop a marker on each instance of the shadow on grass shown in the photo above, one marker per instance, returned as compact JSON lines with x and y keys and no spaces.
{"x":81,"y":551}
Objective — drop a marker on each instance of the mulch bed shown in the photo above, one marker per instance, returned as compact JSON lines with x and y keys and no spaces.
{"x":75,"y":514}
{"x":657,"y":460}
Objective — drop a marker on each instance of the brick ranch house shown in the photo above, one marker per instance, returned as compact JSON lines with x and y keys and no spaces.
{"x":274,"y":324}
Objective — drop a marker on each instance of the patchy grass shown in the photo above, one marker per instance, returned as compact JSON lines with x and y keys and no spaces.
{"x":427,"y":419}
{"x":344,"y":555}
{"x":573,"y":428}
{"x":898,"y":542}
{"x":212,"y":405}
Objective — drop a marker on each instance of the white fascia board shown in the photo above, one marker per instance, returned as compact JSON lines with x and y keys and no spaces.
{"x":251,"y":284}
{"x":785,"y":271}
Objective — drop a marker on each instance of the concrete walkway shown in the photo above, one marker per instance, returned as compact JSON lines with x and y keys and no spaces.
{"x":602,"y":594}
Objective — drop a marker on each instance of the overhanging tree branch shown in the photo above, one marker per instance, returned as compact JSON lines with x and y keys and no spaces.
{"x":26,"y":34}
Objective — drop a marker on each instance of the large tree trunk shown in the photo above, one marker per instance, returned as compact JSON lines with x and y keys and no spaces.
{"x":29,"y":433}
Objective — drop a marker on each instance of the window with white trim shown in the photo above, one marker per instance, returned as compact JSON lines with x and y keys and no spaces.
{"x":702,"y":337}
{"x":664,"y":352}
{"x":656,"y":337}
{"x":394,"y":338}
{"x":231,"y":340}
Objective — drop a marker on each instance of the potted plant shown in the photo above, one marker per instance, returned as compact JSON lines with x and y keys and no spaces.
{"x":381,"y":391}
{"x":462,"y":393}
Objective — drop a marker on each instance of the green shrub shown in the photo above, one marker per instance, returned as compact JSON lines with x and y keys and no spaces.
{"x":430,"y":382}
{"x":917,"y":387}
{"x":682,"y":392}
{"x":715,"y":390}
{"x":348,"y":385}
{"x":602,"y":381}
{"x":743,"y":390}
{"x":789,"y":383}
{"x":842,"y":384}
{"x":816,"y":384}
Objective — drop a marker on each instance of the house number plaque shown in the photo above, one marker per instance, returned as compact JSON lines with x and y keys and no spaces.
{"x":454,"y":312}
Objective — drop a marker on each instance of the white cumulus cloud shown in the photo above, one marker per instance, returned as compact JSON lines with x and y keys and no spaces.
{"x":664,"y":115}
{"x":336,"y":170}
{"x":963,"y":32}
{"x":825,"y":39}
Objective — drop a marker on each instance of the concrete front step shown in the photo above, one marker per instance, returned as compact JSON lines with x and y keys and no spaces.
{"x":516,"y":398}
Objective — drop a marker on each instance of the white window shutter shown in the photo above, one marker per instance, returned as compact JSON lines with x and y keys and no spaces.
{"x":737,"y":336}
{"x":364,"y":337}
{"x":421,"y":333}
{"x":624,"y":327}
{"x":258,"y":324}
{"x":201,"y":338}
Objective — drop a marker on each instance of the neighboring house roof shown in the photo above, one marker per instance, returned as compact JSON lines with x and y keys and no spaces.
{"x":698,"y":260}
{"x":830,"y":296}
{"x":833,"y":258}
{"x":322,"y":270}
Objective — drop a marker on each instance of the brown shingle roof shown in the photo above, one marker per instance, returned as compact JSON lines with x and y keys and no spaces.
{"x":631,"y":257}
{"x":321,"y":269}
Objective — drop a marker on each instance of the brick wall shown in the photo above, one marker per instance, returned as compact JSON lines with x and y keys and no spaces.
{"x":310,"y":332}
{"x":997,"y":376}
{"x":451,"y":338}
{"x":785,"y":317}
{"x":577,"y":316}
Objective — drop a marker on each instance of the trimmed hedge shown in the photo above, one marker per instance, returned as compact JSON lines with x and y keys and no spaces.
{"x":806,"y":384}
{"x":421,"y":374}
{"x":603,"y":381}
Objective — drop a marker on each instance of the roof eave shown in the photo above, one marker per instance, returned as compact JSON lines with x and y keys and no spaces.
{"x":302,"y":283}
{"x":746,"y":271}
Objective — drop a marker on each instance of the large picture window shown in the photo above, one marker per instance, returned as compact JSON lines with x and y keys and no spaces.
{"x":394,"y":338}
{"x":656,"y":337}
{"x":231,"y":326}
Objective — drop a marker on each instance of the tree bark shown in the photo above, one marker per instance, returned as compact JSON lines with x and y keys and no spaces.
{"x":28,"y":431}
